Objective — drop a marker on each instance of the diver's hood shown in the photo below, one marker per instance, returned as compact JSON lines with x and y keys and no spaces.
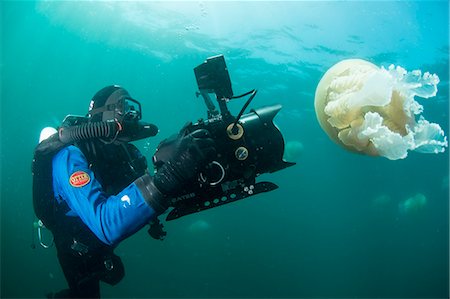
{"x":114,"y":103}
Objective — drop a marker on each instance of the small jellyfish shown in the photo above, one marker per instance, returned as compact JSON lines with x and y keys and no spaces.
{"x":444,"y":182}
{"x":413,"y":204}
{"x":373,"y":111}
{"x":381,"y":200}
{"x":382,"y":204}
{"x":293,"y":150}
{"x":198,"y":226}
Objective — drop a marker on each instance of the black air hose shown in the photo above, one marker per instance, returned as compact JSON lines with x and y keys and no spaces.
{"x":105,"y":129}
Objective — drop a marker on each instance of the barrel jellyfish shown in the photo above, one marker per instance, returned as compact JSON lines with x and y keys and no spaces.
{"x":381,"y":200}
{"x":413,"y":204}
{"x":198,"y":226}
{"x":373,"y":111}
{"x":293,"y":150}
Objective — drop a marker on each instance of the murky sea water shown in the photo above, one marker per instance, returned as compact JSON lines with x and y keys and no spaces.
{"x":340,"y":225}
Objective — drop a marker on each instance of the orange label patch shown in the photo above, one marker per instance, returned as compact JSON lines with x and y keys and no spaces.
{"x":79,"y":179}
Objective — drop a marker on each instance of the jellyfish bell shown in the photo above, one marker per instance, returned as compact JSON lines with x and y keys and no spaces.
{"x":198,"y":226}
{"x":413,"y":204}
{"x":382,"y":205}
{"x":444,"y":182}
{"x":372,"y":110}
{"x":381,"y":200}
{"x":293,"y":150}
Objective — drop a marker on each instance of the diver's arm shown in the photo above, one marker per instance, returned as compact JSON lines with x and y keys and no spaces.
{"x":112,"y":218}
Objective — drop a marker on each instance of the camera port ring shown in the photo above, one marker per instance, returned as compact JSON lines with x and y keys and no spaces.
{"x":238,"y":134}
{"x":222,"y":176}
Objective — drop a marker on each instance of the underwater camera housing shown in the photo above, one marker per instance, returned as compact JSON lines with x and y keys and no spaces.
{"x":247,"y":145}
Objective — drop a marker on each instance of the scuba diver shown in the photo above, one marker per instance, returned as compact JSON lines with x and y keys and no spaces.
{"x":93,"y":191}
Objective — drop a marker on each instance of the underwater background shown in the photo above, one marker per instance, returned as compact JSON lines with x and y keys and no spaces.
{"x":336,"y":227}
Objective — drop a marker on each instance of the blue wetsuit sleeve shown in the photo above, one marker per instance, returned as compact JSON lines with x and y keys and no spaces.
{"x":110,"y":218}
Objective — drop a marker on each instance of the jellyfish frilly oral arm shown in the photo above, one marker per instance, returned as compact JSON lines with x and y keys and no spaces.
{"x":372,"y":110}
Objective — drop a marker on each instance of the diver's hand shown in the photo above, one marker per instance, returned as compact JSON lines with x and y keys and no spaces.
{"x":192,"y":152}
{"x":188,"y":155}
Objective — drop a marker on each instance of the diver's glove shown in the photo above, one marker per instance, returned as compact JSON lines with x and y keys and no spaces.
{"x":182,"y":160}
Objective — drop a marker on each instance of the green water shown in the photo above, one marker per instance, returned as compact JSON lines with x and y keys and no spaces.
{"x":332,"y":229}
